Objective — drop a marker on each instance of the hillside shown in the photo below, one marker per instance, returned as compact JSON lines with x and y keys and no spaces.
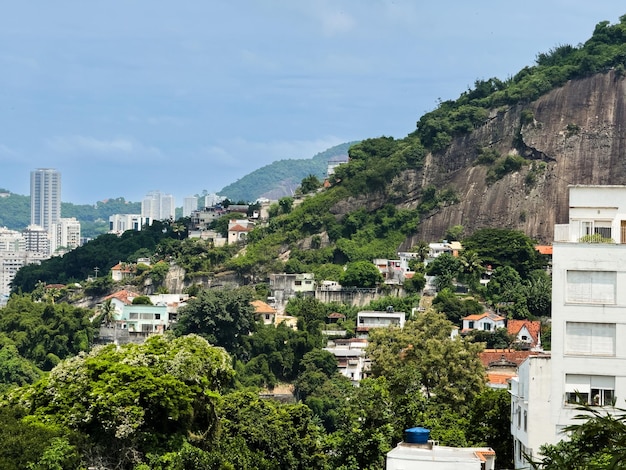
{"x":282,"y":177}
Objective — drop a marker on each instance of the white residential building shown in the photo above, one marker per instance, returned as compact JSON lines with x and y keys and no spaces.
{"x":37,"y":240}
{"x":530,"y":408}
{"x":351,"y":360}
{"x":157,"y":206}
{"x":11,"y":241}
{"x":421,"y":453}
{"x":45,"y":197}
{"x":190,"y":204}
{"x":588,"y":314}
{"x":367,"y":320}
{"x":119,"y":223}
{"x":65,"y":234}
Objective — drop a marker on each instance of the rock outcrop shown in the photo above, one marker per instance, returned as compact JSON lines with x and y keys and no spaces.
{"x":572,"y":135}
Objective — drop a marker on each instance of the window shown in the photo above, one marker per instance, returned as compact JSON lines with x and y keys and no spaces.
{"x":133,"y":315}
{"x":595,"y":227}
{"x":595,"y":390}
{"x":157,"y":316}
{"x":591,"y":287}
{"x":519,"y":417}
{"x":525,"y":420}
{"x":147,"y":316}
{"x":471,"y":324}
{"x":487,"y":326}
{"x":590,"y":339}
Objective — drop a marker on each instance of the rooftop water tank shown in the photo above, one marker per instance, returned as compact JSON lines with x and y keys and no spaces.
{"x":416,"y":435}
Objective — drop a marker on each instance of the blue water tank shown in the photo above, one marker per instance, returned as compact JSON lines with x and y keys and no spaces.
{"x":416,"y":435}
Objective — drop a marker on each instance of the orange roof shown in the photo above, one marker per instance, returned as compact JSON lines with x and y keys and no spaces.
{"x":499,"y":378}
{"x":239,"y":228}
{"x":261,"y":307}
{"x":534,"y":327}
{"x":479,"y":316}
{"x":489,"y":356}
{"x":544,"y":249}
{"x":122,"y":295}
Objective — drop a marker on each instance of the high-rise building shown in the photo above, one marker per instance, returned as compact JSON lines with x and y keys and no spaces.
{"x":157,"y":206}
{"x":587,"y":363}
{"x":45,"y":197}
{"x":65,"y":235}
{"x":190,"y":204}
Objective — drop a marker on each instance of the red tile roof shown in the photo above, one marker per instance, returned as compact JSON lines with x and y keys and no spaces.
{"x":239,"y":228}
{"x":122,"y":295}
{"x":489,"y":356}
{"x":261,"y":307}
{"x":534,"y":327}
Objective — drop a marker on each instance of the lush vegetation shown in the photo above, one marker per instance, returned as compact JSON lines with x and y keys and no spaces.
{"x":282,"y":176}
{"x":605,"y":49}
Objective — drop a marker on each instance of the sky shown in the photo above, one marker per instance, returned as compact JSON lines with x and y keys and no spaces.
{"x":126,"y":97}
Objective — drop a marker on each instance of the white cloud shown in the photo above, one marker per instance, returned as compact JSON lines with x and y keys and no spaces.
{"x":119,"y":148}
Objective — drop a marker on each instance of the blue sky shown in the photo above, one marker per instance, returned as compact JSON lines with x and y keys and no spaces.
{"x":124,"y":97}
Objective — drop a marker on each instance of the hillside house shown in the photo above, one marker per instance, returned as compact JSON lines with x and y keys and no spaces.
{"x":351,"y":360}
{"x":526,"y":332}
{"x":264,"y":312}
{"x":121,"y":271}
{"x":486,"y":321}
{"x":367,"y":320}
{"x":238,"y":230}
{"x":284,"y":286}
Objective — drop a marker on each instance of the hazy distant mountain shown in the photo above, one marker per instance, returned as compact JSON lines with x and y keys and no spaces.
{"x":282,"y":177}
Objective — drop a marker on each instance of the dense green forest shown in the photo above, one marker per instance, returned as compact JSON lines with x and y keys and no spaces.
{"x":282,"y":173}
{"x":94,"y":219}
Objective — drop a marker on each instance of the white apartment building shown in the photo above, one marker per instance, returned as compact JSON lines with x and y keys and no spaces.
{"x":45,"y":197}
{"x":190,"y":204}
{"x":36,"y":240}
{"x":530,"y":408}
{"x":157,"y":206}
{"x":119,"y":223}
{"x":367,"y":320}
{"x":588,"y":316}
{"x":65,"y":234}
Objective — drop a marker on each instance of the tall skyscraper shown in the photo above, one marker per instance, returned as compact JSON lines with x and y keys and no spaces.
{"x":190,"y":204}
{"x":45,"y":197}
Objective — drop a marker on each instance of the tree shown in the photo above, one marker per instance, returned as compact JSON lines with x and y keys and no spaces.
{"x":223,"y":316}
{"x":446,"y":268}
{"x":132,"y":400}
{"x":449,"y":370}
{"x":448,"y":303}
{"x":471,"y":267}
{"x":597,"y":441}
{"x":422,"y":249}
{"x":507,"y":292}
{"x":504,"y":247}
{"x":309,"y":184}
{"x":361,"y":274}
{"x":270,"y":435}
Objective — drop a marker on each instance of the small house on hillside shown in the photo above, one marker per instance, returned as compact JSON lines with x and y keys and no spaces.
{"x":486,"y":321}
{"x":526,"y":332}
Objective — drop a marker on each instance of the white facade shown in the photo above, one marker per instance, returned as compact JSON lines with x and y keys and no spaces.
{"x":434,"y":457}
{"x":45,"y":197}
{"x":36,"y":240}
{"x":65,"y":234}
{"x":11,"y":241}
{"x":351,"y":360}
{"x":157,"y":206}
{"x":190,"y":204}
{"x":368,"y":320}
{"x":119,"y":223}
{"x":530,"y":408}
{"x":588,"y":312}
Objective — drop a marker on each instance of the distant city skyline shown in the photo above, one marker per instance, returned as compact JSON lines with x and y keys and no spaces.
{"x":123,"y":97}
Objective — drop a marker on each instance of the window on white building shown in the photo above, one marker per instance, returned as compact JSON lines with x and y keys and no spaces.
{"x":595,"y":390}
{"x":591,"y":339}
{"x":596,"y":227}
{"x":591,"y":287}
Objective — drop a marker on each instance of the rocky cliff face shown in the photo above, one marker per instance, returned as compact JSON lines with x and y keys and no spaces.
{"x":573,"y":135}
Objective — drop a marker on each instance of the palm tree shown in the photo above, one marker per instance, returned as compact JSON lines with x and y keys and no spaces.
{"x":471,"y":266}
{"x":107,"y":309}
